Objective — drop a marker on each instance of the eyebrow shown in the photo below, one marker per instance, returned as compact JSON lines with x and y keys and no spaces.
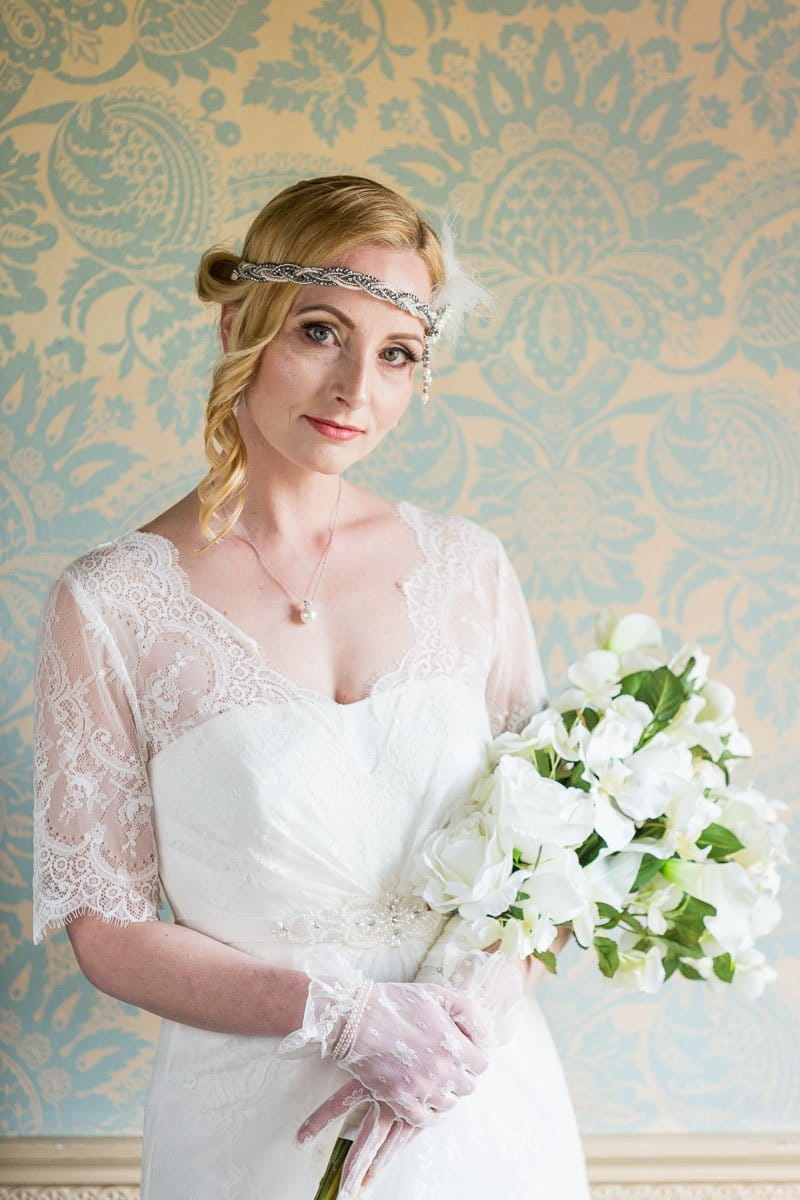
{"x":349,"y":324}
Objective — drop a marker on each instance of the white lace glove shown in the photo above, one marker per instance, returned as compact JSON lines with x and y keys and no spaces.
{"x":414,"y":1047}
{"x":501,"y":983}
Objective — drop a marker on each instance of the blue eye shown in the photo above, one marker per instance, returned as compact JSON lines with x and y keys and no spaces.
{"x":312,"y":328}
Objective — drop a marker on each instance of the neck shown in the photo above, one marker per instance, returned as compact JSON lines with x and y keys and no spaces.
{"x":284,"y":502}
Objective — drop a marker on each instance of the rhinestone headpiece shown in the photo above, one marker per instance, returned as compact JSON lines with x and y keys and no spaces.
{"x":286,"y":272}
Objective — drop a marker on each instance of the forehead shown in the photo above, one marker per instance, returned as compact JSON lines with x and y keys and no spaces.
{"x":405,"y":270}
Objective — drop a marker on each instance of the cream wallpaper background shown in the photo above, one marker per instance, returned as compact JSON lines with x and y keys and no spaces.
{"x":627,"y":174}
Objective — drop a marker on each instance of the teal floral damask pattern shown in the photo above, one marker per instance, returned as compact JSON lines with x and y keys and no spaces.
{"x":23,"y":235}
{"x":623,"y":177}
{"x":170,"y":37}
{"x":573,"y":187}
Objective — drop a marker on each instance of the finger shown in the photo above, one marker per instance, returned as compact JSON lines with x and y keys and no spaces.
{"x":471,"y":1018}
{"x":332,"y":1109}
{"x":398,"y":1136}
{"x":373,"y":1132}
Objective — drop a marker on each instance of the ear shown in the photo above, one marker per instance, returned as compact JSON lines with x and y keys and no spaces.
{"x":225,"y":322}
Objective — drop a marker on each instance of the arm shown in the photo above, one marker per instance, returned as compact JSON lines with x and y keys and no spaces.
{"x":95,"y":854}
{"x":188,"y":977}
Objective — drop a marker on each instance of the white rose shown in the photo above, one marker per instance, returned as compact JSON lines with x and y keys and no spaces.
{"x":531,"y":810}
{"x":464,"y":867}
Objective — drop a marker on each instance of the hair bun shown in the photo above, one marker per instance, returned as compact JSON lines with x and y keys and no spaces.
{"x":215,"y":274}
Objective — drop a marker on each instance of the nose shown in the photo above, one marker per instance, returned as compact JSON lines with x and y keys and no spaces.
{"x":351,"y":382}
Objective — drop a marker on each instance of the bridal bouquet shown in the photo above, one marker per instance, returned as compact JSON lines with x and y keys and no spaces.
{"x":612,"y":814}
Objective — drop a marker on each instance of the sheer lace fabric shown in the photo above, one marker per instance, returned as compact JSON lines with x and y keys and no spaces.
{"x":173,"y":760}
{"x":129,"y":660}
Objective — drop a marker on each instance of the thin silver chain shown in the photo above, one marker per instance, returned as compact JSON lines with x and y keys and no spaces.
{"x":305,"y":601}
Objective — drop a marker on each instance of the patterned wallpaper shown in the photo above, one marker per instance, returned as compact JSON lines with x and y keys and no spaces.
{"x":627,"y":174}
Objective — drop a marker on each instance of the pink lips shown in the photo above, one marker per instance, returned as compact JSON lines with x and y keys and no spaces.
{"x":334,"y":431}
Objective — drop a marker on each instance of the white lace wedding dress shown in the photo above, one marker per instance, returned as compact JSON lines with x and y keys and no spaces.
{"x":172,"y":759}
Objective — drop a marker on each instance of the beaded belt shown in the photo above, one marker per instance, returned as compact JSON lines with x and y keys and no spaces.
{"x":387,"y":920}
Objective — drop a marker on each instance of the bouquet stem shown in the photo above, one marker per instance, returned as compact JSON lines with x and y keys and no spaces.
{"x":329,"y":1184}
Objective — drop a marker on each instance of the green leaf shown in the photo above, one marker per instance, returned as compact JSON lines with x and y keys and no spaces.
{"x":649,"y":866}
{"x":684,"y":675}
{"x":663,"y":693}
{"x":575,"y":778}
{"x":689,"y":972}
{"x":516,"y":912}
{"x":629,"y":685}
{"x":569,"y":718}
{"x":721,"y":840}
{"x":590,"y":718}
{"x":610,"y":915}
{"x":607,"y":956}
{"x":671,"y":964}
{"x":542,"y":762}
{"x":723,"y":967}
{"x":590,"y":848}
{"x":681,"y":947}
{"x":548,"y":958}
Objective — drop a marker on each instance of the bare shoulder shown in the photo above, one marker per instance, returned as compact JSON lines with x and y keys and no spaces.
{"x":179,"y":523}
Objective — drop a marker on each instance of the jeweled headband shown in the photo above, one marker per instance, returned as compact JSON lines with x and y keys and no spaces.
{"x":285,"y":272}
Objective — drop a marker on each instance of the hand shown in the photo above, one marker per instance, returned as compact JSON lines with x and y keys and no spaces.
{"x":379,"y":1137}
{"x":415,"y":1047}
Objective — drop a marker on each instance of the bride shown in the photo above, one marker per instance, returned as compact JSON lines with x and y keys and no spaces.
{"x":257,"y":706}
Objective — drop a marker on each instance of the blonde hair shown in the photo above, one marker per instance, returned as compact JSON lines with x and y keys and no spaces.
{"x":310,"y":223}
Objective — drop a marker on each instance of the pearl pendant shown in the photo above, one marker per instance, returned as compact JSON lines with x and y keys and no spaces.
{"x":307,"y":613}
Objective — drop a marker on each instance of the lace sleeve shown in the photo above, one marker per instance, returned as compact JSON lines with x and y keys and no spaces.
{"x":94,"y":845}
{"x":515,"y":688}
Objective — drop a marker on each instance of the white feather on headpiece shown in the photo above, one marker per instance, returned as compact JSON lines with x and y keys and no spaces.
{"x":461,"y":290}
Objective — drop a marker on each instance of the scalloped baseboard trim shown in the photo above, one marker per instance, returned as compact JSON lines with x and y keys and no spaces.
{"x":669,"y":1166}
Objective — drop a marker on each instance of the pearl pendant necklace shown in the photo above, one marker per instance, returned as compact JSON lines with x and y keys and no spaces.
{"x":307,"y":614}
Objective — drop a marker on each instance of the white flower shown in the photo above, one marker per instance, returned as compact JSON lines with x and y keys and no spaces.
{"x":635,"y":631}
{"x":751,"y":974}
{"x":707,"y":719}
{"x":727,"y":887}
{"x":656,"y":770}
{"x":531,"y":810}
{"x":609,"y":877}
{"x":698,"y":676}
{"x":554,"y":894}
{"x":688,"y":813}
{"x":655,"y":899}
{"x":642,"y":970}
{"x":545,"y":731}
{"x":753,"y":818}
{"x":708,"y":774}
{"x":616,"y":829}
{"x":464,"y":866}
{"x":617,"y":732}
{"x":594,"y":682}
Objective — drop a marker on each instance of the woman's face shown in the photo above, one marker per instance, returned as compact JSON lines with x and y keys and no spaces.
{"x":340,"y":356}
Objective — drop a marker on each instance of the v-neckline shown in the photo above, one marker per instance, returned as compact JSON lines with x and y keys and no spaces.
{"x":401,"y":508}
